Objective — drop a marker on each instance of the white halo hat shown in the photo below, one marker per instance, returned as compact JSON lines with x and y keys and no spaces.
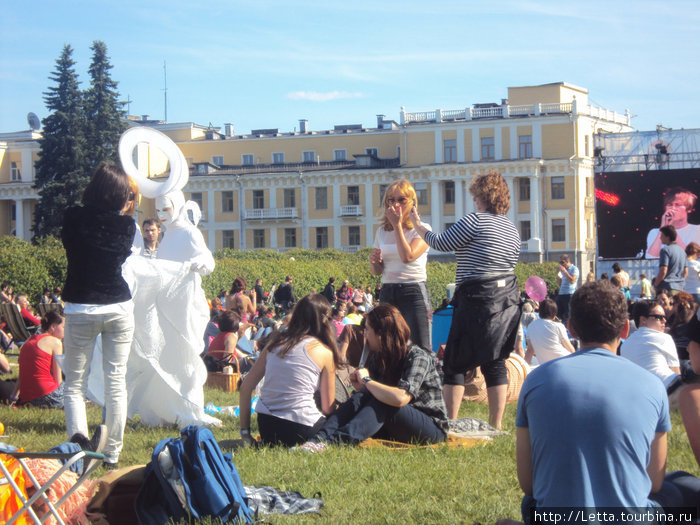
{"x":179,"y":172}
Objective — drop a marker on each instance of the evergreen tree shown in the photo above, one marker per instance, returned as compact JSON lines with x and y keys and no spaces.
{"x":104,"y":114}
{"x":60,"y":170}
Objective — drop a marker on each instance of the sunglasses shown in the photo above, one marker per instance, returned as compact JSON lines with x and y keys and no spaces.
{"x":400,"y":200}
{"x":658,"y":317}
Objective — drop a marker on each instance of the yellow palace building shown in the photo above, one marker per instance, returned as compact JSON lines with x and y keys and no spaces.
{"x":323,"y":189}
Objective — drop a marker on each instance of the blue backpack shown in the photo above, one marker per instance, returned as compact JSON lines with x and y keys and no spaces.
{"x":189,"y":477}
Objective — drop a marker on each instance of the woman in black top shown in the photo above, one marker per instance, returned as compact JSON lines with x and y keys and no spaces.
{"x":98,"y":237}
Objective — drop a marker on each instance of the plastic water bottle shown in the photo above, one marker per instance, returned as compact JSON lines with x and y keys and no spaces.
{"x":212,"y":409}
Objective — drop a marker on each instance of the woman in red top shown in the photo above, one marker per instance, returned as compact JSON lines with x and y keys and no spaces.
{"x":222,"y":349}
{"x":40,"y":383}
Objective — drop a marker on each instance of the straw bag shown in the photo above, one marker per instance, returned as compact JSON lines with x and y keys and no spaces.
{"x":516,"y":369}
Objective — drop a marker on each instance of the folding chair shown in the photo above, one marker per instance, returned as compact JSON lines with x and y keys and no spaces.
{"x":41,"y":490}
{"x":14,"y":321}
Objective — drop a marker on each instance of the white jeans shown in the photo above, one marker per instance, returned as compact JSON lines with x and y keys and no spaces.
{"x":79,"y":343}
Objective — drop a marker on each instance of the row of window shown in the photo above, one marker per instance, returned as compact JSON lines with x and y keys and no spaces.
{"x":353,"y":195}
{"x":290,"y":237}
{"x":248,"y":159}
{"x":556,"y":188}
{"x":558,"y":230}
{"x":321,"y":235}
{"x":488,"y":148}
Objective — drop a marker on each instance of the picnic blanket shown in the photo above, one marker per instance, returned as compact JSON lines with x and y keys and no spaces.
{"x":462,"y":433}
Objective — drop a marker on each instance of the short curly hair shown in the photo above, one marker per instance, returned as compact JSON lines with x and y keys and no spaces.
{"x":598,"y":312}
{"x":492,"y":190}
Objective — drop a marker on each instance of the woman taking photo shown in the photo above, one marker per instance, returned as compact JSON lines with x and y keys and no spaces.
{"x":40,"y":382}
{"x":295,"y":363}
{"x":98,"y":237}
{"x":397,"y":396}
{"x":487,"y":302}
{"x":399,"y":256}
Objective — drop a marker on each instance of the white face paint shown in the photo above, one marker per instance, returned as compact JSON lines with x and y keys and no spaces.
{"x":164,"y":210}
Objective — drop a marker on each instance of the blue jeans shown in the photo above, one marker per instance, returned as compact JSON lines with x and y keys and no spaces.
{"x":413,"y":301}
{"x":51,"y":400}
{"x":79,"y":343}
{"x":363,"y":416}
{"x":563,"y":302}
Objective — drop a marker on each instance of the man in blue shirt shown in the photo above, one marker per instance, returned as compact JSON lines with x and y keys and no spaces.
{"x":567,"y":277}
{"x":672,"y":263}
{"x":591,"y":427}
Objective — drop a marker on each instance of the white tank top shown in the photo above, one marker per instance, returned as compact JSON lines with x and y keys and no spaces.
{"x":290,"y":383}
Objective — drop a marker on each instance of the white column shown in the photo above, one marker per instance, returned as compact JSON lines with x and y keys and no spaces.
{"x":469,"y":206}
{"x":27,"y":165}
{"x":436,"y":205}
{"x":537,"y":140}
{"x":476,"y":145}
{"x":438,"y":146}
{"x":459,"y":200}
{"x":26,"y":212}
{"x":512,"y":212}
{"x":514,"y":152}
{"x":19,"y":218}
{"x":460,"y":145}
{"x":535,"y":242}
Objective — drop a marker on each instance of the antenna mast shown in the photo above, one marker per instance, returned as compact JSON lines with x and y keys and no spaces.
{"x":165,"y":90}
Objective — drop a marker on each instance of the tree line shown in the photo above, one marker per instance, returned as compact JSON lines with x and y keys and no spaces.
{"x":81,"y":131}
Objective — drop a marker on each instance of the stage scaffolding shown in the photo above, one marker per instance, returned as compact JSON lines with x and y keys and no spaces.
{"x":662,"y":149}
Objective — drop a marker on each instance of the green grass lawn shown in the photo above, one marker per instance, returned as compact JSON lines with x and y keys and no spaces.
{"x":357,"y":485}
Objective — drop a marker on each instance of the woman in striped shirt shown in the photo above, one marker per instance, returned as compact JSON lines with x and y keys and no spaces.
{"x":487,"y":302}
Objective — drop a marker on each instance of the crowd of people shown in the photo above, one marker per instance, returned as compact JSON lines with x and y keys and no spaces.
{"x":348,"y":363}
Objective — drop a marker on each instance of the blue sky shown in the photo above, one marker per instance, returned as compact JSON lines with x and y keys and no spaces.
{"x":268,"y":63}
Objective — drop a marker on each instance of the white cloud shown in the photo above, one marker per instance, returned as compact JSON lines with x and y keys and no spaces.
{"x":316,"y":96}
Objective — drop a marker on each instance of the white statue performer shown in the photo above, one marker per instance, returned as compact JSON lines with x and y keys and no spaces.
{"x":165,"y":373}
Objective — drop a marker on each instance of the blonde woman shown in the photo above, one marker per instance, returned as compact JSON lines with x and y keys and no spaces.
{"x":399,"y":256}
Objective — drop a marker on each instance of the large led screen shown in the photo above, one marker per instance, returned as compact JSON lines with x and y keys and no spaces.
{"x":631,"y":206}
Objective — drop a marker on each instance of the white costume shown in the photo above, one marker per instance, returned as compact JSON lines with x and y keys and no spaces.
{"x":165,"y":373}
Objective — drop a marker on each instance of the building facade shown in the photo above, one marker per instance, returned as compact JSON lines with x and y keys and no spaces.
{"x":323,"y":189}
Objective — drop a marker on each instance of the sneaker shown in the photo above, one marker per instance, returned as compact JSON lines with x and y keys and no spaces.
{"x":312,"y":447}
{"x":110,"y":466}
{"x":96,"y":444}
{"x":99,"y":439}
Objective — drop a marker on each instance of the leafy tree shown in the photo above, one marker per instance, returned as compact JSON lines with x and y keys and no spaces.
{"x":60,"y":170}
{"x":104,"y":114}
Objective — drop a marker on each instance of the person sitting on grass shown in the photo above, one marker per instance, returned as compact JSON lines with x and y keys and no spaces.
{"x":295,"y":363}
{"x":547,"y":338}
{"x":40,"y":382}
{"x":609,"y":451}
{"x":222,"y":349}
{"x":650,"y":347}
{"x":398,"y":395}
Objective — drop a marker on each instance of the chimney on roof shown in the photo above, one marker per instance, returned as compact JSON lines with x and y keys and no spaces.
{"x":380,"y":121}
{"x":228,"y":130}
{"x":303,"y":125}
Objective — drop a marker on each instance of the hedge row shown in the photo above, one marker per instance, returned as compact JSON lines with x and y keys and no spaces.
{"x":30,"y":267}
